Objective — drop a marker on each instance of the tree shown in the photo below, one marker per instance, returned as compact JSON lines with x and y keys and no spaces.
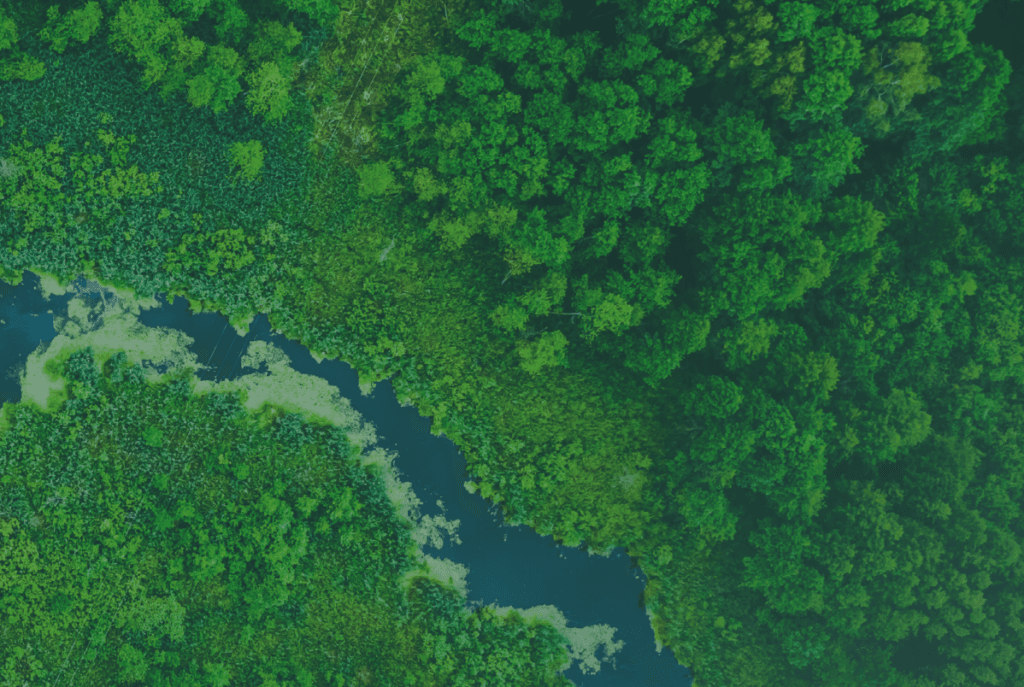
{"x":547,"y":294}
{"x":217,"y":85}
{"x":898,"y":422}
{"x":972,"y":82}
{"x":17,"y":65}
{"x":747,"y":341}
{"x":272,"y":41}
{"x":323,"y":12}
{"x":143,"y":29}
{"x":268,"y":93}
{"x":796,"y":20}
{"x":763,"y":253}
{"x":706,"y":510}
{"x":825,"y":159}
{"x":547,"y":351}
{"x":779,"y":570}
{"x":248,"y":157}
{"x":133,"y":664}
{"x":79,"y":25}
{"x":656,"y":352}
{"x":739,"y":141}
{"x":718,"y":398}
{"x":849,"y":228}
{"x":510,"y":317}
{"x":897,"y":87}
{"x":185,"y":55}
{"x":376,"y":179}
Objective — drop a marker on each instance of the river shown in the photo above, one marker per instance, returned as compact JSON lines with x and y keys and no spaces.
{"x":594,"y":600}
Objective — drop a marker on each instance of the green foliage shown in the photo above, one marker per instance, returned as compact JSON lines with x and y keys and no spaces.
{"x":548,"y":350}
{"x":787,"y":261}
{"x":273,"y":39}
{"x":144,"y":29}
{"x":249,"y":157}
{"x":825,"y":160}
{"x":657,"y":355}
{"x":796,"y":20}
{"x":268,"y":92}
{"x":510,"y":317}
{"x":123,"y":204}
{"x":376,"y":179}
{"x":895,"y":88}
{"x":230,"y":247}
{"x":217,"y":85}
{"x":78,"y":25}
{"x":739,"y":140}
{"x":14,"y":63}
{"x":226,"y":557}
{"x":820,"y":471}
{"x":747,"y":341}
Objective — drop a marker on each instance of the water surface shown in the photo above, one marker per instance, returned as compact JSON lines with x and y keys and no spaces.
{"x":597,"y":598}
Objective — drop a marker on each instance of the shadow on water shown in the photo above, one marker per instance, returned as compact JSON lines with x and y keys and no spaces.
{"x":508,"y":566}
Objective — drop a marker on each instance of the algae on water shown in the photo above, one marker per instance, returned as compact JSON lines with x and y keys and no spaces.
{"x":110,"y":323}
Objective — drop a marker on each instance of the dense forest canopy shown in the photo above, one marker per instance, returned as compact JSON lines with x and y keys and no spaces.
{"x":189,"y":541}
{"x":735,"y":285}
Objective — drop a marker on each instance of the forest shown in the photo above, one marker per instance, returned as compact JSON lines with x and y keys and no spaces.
{"x":734,"y":285}
{"x":132,"y":571}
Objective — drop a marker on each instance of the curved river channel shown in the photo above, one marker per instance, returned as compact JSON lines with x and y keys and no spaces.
{"x":593,"y":599}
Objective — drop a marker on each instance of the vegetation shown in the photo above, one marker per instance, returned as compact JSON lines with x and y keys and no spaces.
{"x":153,"y":536}
{"x":736,"y":286}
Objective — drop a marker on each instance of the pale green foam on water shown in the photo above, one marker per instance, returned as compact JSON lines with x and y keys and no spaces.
{"x":111,"y":323}
{"x":583,"y":641}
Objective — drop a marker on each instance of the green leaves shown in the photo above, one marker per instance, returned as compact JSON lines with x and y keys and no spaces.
{"x":825,"y":159}
{"x":899,"y":421}
{"x":796,"y":20}
{"x":510,"y":317}
{"x":155,"y":616}
{"x":19,"y":65}
{"x":605,"y":311}
{"x":132,"y":664}
{"x":777,"y":258}
{"x":146,"y":31}
{"x":272,"y":40}
{"x":891,"y":89}
{"x":376,"y":179}
{"x":268,"y":93}
{"x":217,"y":674}
{"x":672,"y":141}
{"x":747,"y":341}
{"x":853,"y":226}
{"x":546,"y":295}
{"x":228,"y":247}
{"x":601,"y":120}
{"x":712,"y":397}
{"x":737,"y":139}
{"x":80,"y":25}
{"x":547,"y":351}
{"x":630,"y":53}
{"x":143,"y":29}
{"x":907,"y":26}
{"x":707,"y":511}
{"x":248,"y":157}
{"x":779,"y":570}
{"x":666,"y":81}
{"x":217,"y":85}
{"x":153,"y":437}
{"x":656,"y":354}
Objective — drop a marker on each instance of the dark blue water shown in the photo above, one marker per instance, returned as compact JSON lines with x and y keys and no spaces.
{"x":508,"y":566}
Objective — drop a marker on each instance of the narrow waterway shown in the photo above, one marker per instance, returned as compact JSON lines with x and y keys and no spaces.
{"x":503,"y":566}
